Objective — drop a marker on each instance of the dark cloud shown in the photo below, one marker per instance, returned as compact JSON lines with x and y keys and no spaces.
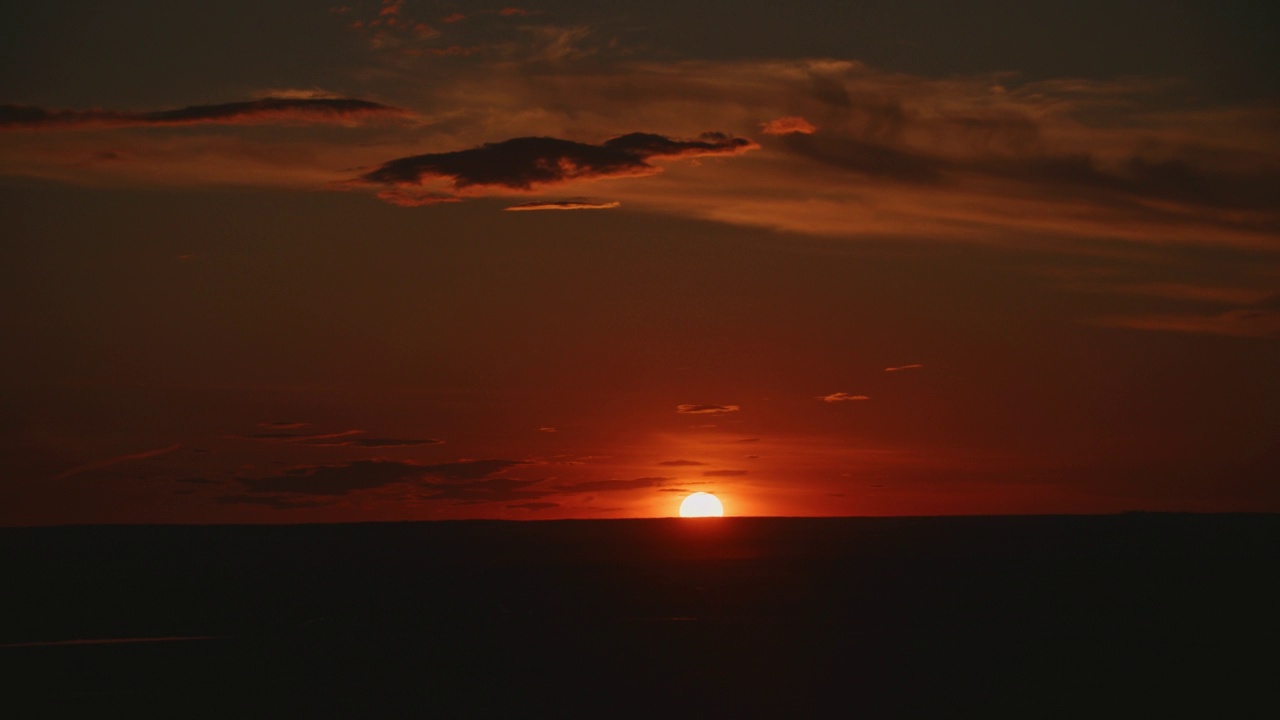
{"x":469,"y":469}
{"x":913,"y":366}
{"x":528,"y":162}
{"x":108,"y":462}
{"x":487,"y":490}
{"x":534,"y":506}
{"x":680,"y":463}
{"x":724,"y":473}
{"x":272,"y":501}
{"x":369,"y":474}
{"x":336,"y":479}
{"x":375,"y":442}
{"x":261,"y":111}
{"x":295,"y":437}
{"x":706,"y":409}
{"x":282,"y":425}
{"x":874,"y":145}
{"x":565,"y":205}
{"x":612,"y":485}
{"x":872,"y":159}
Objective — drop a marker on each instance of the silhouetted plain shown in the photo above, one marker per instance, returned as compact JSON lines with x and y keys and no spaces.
{"x":1109,"y":616}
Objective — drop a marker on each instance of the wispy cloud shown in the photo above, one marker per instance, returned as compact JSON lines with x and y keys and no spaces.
{"x":565,"y":205}
{"x":333,"y":480}
{"x":376,"y":442}
{"x":248,"y":112}
{"x":487,"y":490}
{"x":295,"y":437}
{"x":1240,"y":322}
{"x":611,"y":485}
{"x":900,"y":368}
{"x":108,"y":462}
{"x":842,"y":397}
{"x":534,"y":506}
{"x":690,"y":409}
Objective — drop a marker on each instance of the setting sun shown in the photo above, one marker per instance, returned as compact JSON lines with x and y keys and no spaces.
{"x":701,"y":504}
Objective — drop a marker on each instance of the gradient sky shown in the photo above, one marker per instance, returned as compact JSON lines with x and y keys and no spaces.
{"x":318,"y":261}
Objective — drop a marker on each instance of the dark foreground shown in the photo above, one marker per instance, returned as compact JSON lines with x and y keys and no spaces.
{"x":1021,"y":617}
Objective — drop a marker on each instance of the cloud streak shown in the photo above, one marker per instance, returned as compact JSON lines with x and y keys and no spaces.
{"x":565,"y":205}
{"x":842,"y":397}
{"x":100,"y":464}
{"x":526,"y":163}
{"x":691,"y":409}
{"x":612,"y":485}
{"x":335,"y":480}
{"x":270,"y":110}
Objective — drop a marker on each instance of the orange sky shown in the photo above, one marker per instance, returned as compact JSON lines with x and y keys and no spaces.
{"x":813,"y":273}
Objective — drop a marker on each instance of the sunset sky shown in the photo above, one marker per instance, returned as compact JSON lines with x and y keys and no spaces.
{"x":307,"y":261}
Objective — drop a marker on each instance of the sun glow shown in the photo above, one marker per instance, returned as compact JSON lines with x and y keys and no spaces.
{"x":701,"y":504}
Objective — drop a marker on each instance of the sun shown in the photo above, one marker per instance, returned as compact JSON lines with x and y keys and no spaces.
{"x":701,"y":504}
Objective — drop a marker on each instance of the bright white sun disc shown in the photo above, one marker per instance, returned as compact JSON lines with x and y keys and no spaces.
{"x":701,"y":504}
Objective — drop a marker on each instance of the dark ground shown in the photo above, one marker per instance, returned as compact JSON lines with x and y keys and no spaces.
{"x":1023,"y":617}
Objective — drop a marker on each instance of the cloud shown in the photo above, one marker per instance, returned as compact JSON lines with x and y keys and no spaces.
{"x":423,"y":30}
{"x":272,"y":501}
{"x":724,"y":473}
{"x":453,"y":18}
{"x":282,"y":425}
{"x":1071,"y":165}
{"x":841,"y":397}
{"x":680,"y":463}
{"x":108,"y":462}
{"x":470,"y":469}
{"x":526,"y":163}
{"x":1196,"y":293}
{"x":375,"y":442}
{"x":1255,"y":322}
{"x":706,"y":409}
{"x":612,"y":485}
{"x":333,"y":480}
{"x":547,"y":429}
{"x":260,"y":111}
{"x":295,"y":437}
{"x":913,"y":366}
{"x":487,"y":490}
{"x":565,"y":205}
{"x":534,"y":506}
{"x":510,"y":11}
{"x":787,"y":125}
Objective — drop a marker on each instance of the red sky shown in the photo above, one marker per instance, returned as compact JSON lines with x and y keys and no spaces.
{"x":1008,"y":263}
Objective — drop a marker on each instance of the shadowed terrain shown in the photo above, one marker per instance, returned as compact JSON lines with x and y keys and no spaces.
{"x":1079,"y":616}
